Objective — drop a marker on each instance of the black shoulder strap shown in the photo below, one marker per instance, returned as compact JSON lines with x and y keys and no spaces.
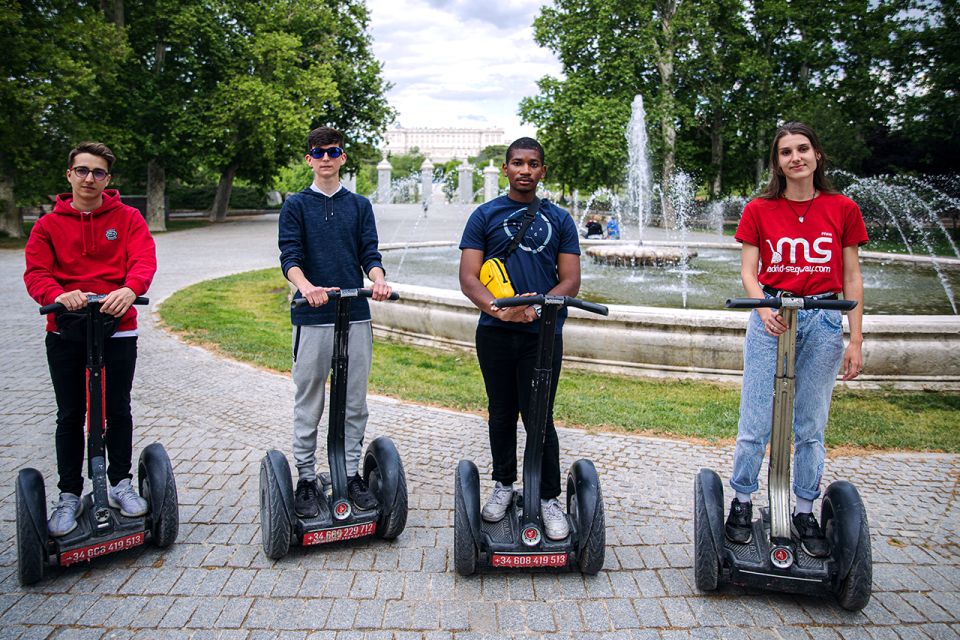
{"x":528,"y":218}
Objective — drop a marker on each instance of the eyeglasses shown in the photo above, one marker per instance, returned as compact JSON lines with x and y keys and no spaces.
{"x":317,"y":152}
{"x":98,"y":174}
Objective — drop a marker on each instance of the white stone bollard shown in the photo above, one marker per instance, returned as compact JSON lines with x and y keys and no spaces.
{"x":466,"y":183}
{"x":426,"y":182}
{"x":384,"y":195}
{"x":491,"y":184}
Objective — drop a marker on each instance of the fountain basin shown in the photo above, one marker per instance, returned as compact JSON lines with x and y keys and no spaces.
{"x":632,"y":255}
{"x":906,"y":352}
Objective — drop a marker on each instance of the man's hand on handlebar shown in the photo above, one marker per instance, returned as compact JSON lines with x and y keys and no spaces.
{"x":772,"y":321}
{"x":381,"y":290}
{"x":317,"y":296}
{"x":522,"y":314}
{"x":118,"y":301}
{"x":73,"y":300}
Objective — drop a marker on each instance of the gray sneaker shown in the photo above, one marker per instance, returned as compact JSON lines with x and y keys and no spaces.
{"x":554,"y":519}
{"x":498,"y":503}
{"x":125,"y":497}
{"x":63,"y":520}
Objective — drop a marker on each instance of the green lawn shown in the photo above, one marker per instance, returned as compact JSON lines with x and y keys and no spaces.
{"x":246,"y":317}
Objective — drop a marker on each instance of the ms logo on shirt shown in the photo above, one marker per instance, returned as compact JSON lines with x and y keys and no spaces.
{"x":819,"y":252}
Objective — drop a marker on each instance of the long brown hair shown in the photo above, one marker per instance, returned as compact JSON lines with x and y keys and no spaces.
{"x":778,"y":182}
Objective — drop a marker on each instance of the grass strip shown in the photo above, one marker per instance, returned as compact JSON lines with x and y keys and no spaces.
{"x":246,"y":317}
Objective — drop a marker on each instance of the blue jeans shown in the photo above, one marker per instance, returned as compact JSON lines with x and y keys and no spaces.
{"x":819,"y":355}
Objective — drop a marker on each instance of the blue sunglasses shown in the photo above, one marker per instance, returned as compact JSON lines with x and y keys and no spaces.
{"x":334,"y":152}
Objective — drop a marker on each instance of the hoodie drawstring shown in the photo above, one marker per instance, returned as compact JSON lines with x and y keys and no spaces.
{"x":88,"y":216}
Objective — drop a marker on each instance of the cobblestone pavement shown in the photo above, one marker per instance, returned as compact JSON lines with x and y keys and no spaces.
{"x":216,"y":419}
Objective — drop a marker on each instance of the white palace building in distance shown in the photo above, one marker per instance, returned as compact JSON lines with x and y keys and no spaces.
{"x":442,"y":144}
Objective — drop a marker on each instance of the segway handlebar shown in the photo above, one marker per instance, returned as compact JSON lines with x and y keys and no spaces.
{"x":55,"y":307}
{"x":563,"y":301}
{"x":800,"y":303}
{"x":346,"y":293}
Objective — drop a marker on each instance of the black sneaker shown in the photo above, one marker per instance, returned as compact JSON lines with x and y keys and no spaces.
{"x":360,"y":495}
{"x":739,"y":527}
{"x":306,"y":499}
{"x":805,"y":528}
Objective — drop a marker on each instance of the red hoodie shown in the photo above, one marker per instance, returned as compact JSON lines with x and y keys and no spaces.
{"x":97,"y":251}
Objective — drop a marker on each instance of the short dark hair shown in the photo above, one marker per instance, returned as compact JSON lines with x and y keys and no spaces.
{"x":93,"y":148}
{"x":322,"y":136}
{"x":525,"y":143}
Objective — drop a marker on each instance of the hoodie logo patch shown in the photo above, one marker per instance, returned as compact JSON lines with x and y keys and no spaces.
{"x":111,"y":234}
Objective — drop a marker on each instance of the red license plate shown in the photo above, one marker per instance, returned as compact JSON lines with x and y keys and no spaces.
{"x":515,"y":560}
{"x":83,"y":554}
{"x":341,"y":533}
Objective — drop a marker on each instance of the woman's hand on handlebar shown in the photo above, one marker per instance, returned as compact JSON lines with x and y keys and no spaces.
{"x":118,"y":301}
{"x":317,"y":296}
{"x":73,"y":300}
{"x":524,"y":314}
{"x":772,"y":321}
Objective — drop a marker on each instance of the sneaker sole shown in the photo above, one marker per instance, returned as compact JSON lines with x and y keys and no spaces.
{"x":487,"y":518}
{"x":747,"y":541}
{"x":116,"y":505}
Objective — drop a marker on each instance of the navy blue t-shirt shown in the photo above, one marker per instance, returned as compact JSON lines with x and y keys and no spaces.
{"x":533,"y":266}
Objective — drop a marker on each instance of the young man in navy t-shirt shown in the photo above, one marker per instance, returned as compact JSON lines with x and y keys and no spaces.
{"x":547,"y":261}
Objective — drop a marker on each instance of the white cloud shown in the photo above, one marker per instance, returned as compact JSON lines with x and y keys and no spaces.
{"x":460,"y":62}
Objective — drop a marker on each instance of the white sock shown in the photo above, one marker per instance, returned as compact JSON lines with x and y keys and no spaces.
{"x":505,"y":486}
{"x":803,"y":506}
{"x":743,"y":498}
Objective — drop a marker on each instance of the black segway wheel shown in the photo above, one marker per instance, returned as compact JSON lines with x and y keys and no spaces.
{"x":845,"y":525}
{"x":585,"y":504}
{"x":275,"y":525}
{"x":159,"y":488}
{"x":464,"y":546}
{"x":383,"y":471}
{"x":706,"y":559}
{"x":31,"y":526}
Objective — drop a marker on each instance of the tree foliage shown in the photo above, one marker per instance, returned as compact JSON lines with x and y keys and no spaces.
{"x":720,"y":75}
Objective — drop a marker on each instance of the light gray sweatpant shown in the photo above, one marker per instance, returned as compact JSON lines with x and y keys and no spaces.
{"x":311,"y":368}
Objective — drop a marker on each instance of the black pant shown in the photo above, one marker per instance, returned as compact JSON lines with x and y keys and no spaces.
{"x":67,"y":362}
{"x":507,"y":362}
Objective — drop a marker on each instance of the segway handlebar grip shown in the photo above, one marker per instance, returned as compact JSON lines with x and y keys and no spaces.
{"x":345,"y":293}
{"x":568,"y":301}
{"x":55,"y":307}
{"x":775,"y":303}
{"x":592,"y":307}
{"x":518,"y":301}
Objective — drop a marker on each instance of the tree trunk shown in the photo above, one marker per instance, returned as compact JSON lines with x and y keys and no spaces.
{"x":716,"y":156}
{"x":668,"y":130}
{"x":218,"y":213}
{"x":113,"y":11}
{"x":156,"y":188}
{"x":11,"y":220}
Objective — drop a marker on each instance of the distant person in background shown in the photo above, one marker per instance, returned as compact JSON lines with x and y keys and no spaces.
{"x":613,"y":229}
{"x":594,"y":230}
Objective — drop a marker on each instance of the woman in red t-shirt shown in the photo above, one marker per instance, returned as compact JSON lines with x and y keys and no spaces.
{"x":799,"y":237}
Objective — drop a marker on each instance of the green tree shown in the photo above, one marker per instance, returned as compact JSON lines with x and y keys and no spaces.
{"x":58,"y":79}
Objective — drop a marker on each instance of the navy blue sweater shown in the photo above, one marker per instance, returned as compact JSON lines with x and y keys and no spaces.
{"x":334,"y":241}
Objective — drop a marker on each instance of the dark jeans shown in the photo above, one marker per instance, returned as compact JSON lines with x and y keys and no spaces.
{"x":507,"y":362}
{"x":67,"y":362}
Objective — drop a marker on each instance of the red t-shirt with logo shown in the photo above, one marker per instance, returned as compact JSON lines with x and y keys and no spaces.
{"x":804,"y":258}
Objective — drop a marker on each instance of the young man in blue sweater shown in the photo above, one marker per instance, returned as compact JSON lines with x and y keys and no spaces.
{"x":328,"y":240}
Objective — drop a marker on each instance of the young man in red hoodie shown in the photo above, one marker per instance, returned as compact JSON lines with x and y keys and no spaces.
{"x":91,"y":244}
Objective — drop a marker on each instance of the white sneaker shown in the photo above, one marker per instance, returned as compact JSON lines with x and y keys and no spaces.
{"x":498,"y":503}
{"x":554,"y":519}
{"x":125,"y":497}
{"x":63,"y":520}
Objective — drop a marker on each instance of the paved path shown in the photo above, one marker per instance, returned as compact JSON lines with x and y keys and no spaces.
{"x":217,"y":417}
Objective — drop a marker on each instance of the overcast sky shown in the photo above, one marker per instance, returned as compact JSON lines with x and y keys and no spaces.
{"x":460,"y":63}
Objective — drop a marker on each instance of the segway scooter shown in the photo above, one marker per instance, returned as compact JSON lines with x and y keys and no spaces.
{"x":101,"y":529}
{"x":772,"y":559}
{"x":280,"y":526}
{"x":517,"y":541}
